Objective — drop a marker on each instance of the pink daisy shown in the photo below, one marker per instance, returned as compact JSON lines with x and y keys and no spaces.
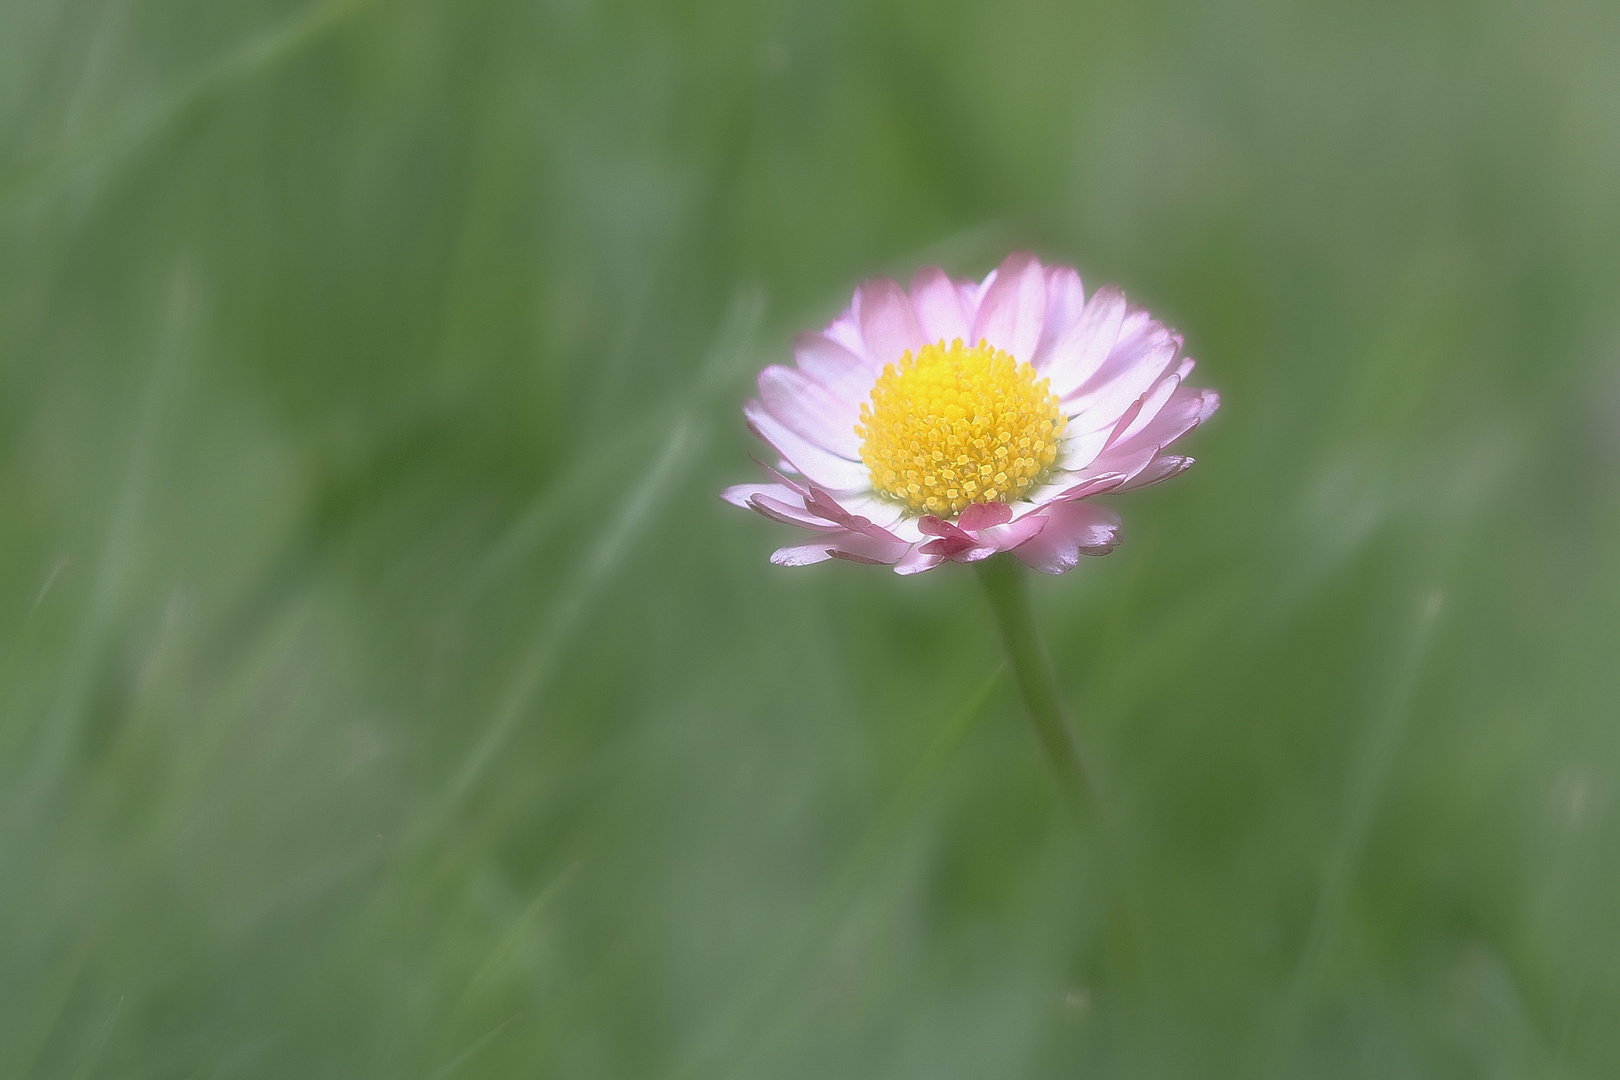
{"x":965,"y":418}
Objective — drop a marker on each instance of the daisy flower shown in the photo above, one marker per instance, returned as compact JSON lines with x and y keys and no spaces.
{"x":960,"y":419}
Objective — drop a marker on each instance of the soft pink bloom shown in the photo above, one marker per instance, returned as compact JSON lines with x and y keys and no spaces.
{"x":1115,"y":374}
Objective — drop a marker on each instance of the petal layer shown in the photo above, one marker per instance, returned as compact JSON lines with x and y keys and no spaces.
{"x":937,"y":301}
{"x":811,"y":410}
{"x":1072,"y":530}
{"x":1013,"y":311}
{"x":820,"y":465}
{"x":888,"y":322}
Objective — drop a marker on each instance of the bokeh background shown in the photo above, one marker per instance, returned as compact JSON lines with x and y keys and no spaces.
{"x":385,"y":692}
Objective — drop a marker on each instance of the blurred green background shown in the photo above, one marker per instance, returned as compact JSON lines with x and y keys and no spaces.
{"x":385,"y":692}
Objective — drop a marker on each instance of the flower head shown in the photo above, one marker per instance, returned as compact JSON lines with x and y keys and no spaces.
{"x":964,"y":418}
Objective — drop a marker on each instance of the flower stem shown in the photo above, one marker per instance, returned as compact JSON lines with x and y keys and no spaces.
{"x":1008,"y":592}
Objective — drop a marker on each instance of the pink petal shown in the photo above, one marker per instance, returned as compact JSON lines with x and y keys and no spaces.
{"x":742,"y":494}
{"x":851,"y":546}
{"x":1013,"y":311}
{"x":798,"y":487}
{"x":1093,"y":485}
{"x":948,"y":547}
{"x":822,"y":466}
{"x":1136,"y":319}
{"x":1076,"y":452}
{"x":875,"y":509}
{"x":1133,"y":365}
{"x":938,"y":304}
{"x":846,"y":331}
{"x":1072,"y":529}
{"x":1160,"y":468}
{"x":1065,"y":300}
{"x":824,"y":505}
{"x":916,"y":561}
{"x":810,"y":507}
{"x":1115,"y":466}
{"x":850,"y":556}
{"x":976,"y":535}
{"x":801,"y":554}
{"x":1008,"y":536}
{"x":1184,"y":409}
{"x":821,"y":502}
{"x":983,"y":515}
{"x":1126,"y":419}
{"x":1135,"y":461}
{"x":833,"y":366}
{"x":811,"y":410}
{"x":874,"y":548}
{"x":888,"y":322}
{"x":789,"y":514}
{"x":1077,"y":355}
{"x":1146,"y":407}
{"x":936,"y":526}
{"x":973,"y":294}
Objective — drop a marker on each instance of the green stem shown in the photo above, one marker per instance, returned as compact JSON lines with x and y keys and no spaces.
{"x":1008,"y":590}
{"x":1004,"y":584}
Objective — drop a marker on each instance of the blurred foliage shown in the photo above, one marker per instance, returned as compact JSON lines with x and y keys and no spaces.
{"x":387,"y":694}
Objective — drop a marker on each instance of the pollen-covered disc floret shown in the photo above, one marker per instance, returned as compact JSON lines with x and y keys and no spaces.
{"x":950,"y":426}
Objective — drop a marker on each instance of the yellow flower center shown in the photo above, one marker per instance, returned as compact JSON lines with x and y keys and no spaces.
{"x":952,"y":426}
